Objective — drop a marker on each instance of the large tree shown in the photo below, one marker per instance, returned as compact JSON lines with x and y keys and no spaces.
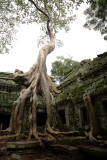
{"x":62,"y":67}
{"x":97,"y":16}
{"x":53,"y":15}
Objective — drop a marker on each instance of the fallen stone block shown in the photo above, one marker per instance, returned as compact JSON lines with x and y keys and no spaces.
{"x":15,"y":156}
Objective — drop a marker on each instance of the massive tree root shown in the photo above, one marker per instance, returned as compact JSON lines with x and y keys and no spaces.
{"x":37,"y":81}
{"x":94,"y":129}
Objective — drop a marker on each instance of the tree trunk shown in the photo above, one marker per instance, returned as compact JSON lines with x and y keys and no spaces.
{"x":94,"y":129}
{"x":37,"y":81}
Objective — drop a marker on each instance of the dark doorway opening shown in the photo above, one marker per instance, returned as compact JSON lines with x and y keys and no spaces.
{"x":41,"y":118}
{"x":85,"y":117}
{"x":105,"y":105}
{"x":62,"y":116}
{"x":4,"y":121}
{"x":105,"y":108}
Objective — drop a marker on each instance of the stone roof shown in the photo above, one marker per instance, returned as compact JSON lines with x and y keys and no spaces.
{"x":89,"y":77}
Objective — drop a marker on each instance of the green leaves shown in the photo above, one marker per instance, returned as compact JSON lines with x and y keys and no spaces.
{"x":62,"y":14}
{"x":14,"y":12}
{"x":62,"y":67}
{"x":19,"y":2}
{"x":97,"y":16}
{"x":11,"y":14}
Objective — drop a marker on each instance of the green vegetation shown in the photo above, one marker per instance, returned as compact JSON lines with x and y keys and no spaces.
{"x":97,"y":16}
{"x":16,"y":12}
{"x":62,"y":67}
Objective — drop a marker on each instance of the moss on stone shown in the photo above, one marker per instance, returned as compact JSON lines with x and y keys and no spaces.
{"x":89,"y":77}
{"x":62,"y":97}
{"x":40,"y":101}
{"x":9,"y":92}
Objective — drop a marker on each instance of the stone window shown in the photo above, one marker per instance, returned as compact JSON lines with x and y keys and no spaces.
{"x":105,"y":108}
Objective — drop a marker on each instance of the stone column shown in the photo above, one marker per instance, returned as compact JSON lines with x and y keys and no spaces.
{"x":67,"y":115}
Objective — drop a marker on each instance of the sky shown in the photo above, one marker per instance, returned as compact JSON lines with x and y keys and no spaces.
{"x":80,"y":43}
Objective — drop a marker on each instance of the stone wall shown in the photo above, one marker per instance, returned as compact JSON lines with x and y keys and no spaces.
{"x":90,"y":77}
{"x":9,"y":91}
{"x":10,"y":88}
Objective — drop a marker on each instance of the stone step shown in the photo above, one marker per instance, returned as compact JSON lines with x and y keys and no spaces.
{"x":65,"y":149}
{"x":74,"y":140}
{"x":15,"y":156}
{"x":93,"y":151}
{"x":23,"y":145}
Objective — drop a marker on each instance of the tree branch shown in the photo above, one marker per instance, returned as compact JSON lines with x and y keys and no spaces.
{"x":49,"y":19}
{"x":43,"y":12}
{"x":39,"y":8}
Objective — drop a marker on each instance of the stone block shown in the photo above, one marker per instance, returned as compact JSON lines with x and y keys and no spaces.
{"x":65,"y":149}
{"x":98,"y":152}
{"x":22,"y":145}
{"x":75,"y":140}
{"x":15,"y":156}
{"x":59,"y":148}
{"x":73,"y":151}
{"x":3,"y":150}
{"x":94,"y":151}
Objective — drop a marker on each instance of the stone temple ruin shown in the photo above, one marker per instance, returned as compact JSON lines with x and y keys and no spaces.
{"x":84,"y":88}
{"x":90,"y":77}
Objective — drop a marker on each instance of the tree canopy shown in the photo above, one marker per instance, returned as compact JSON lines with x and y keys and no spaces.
{"x":97,"y":16}
{"x":62,"y":67}
{"x":15,"y":12}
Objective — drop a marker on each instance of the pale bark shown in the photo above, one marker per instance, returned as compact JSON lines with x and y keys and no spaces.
{"x":36,"y":79}
{"x":94,"y":129}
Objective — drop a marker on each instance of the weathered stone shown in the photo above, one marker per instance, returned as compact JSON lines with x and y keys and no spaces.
{"x":74,"y":140}
{"x":65,"y":149}
{"x":73,"y":151}
{"x":48,"y":142}
{"x":94,"y":151}
{"x":89,"y":77}
{"x":9,"y":91}
{"x":60,"y":148}
{"x":23,"y":145}
{"x":15,"y":156}
{"x":3,"y":150}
